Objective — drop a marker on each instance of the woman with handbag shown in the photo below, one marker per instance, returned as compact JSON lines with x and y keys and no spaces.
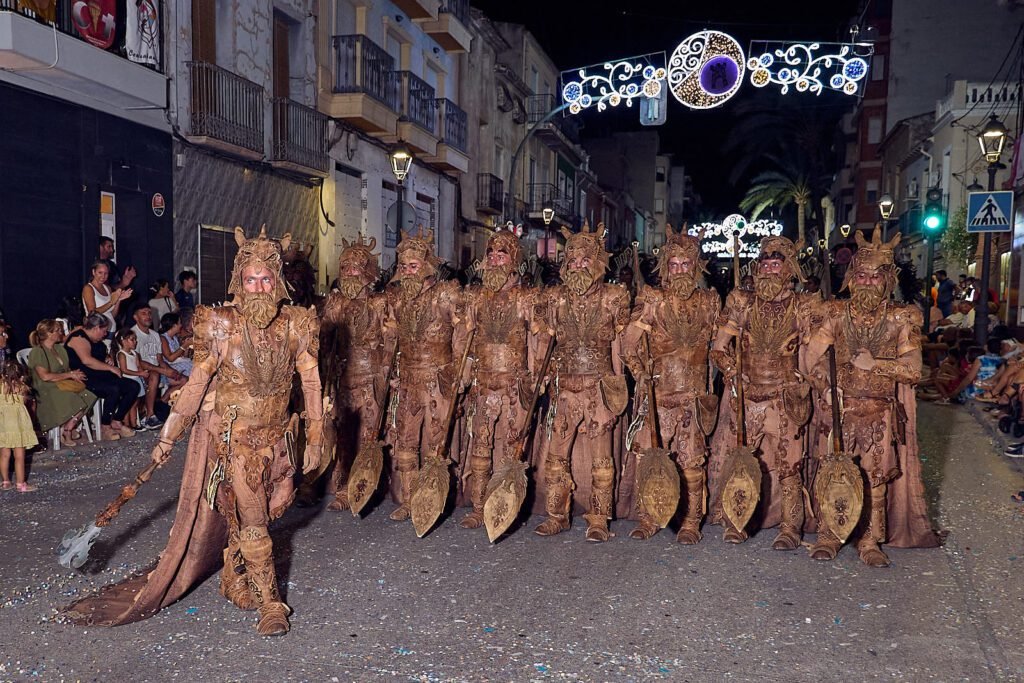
{"x":88,"y":353}
{"x":63,"y":398}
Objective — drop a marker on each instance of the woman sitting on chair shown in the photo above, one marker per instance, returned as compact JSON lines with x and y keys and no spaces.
{"x":63,"y":398}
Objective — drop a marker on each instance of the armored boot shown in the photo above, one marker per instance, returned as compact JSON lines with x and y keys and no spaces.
{"x":556,"y":506}
{"x":405,"y":472}
{"x":339,"y":483}
{"x":644,"y":529}
{"x":257,"y":549}
{"x":600,"y":504}
{"x":828,"y":544}
{"x":233,"y":583}
{"x":792,"y":514}
{"x":696,"y":497}
{"x":867,"y":546}
{"x":480,"y":474}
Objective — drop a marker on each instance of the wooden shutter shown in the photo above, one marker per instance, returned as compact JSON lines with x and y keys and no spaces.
{"x":204,"y":31}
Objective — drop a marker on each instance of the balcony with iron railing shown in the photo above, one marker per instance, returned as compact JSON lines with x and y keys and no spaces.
{"x":454,"y":133}
{"x":450,"y":29}
{"x":417,"y":108}
{"x":365,"y":90}
{"x":541,"y":195}
{"x":226,"y":111}
{"x":88,"y":58}
{"x":300,"y":137}
{"x":490,"y":191}
{"x":560,"y":132}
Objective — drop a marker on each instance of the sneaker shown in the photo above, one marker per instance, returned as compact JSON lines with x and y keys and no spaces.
{"x":153,"y":422}
{"x":942,"y":402}
{"x":1014,"y":451}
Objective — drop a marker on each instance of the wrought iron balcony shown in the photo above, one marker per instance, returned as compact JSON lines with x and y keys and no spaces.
{"x":226,"y":107}
{"x":538,"y":106}
{"x":453,"y":123}
{"x":490,"y":191}
{"x":417,"y":103}
{"x":300,"y":135}
{"x":362,"y":66}
{"x":546,"y":194}
{"x":458,"y":9}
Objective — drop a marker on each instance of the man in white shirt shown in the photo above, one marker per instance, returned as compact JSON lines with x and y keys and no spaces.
{"x":150,"y":358}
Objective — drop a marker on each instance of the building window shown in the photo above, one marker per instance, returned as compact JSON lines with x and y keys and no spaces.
{"x":659,"y":174}
{"x":878,"y":68}
{"x":871,"y":191}
{"x":659,"y":206}
{"x":874,"y":130}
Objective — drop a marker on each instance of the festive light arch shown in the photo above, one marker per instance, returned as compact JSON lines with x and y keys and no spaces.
{"x":717,"y":238}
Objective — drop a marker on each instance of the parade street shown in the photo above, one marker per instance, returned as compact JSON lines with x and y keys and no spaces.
{"x":373,"y":602}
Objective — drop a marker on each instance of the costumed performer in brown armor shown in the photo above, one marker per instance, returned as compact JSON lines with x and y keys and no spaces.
{"x":502,"y":370}
{"x":588,"y":387}
{"x":773,"y":322}
{"x":878,"y":361}
{"x":239,"y":458}
{"x":358,"y":348}
{"x":426,"y":313}
{"x":678,"y":320}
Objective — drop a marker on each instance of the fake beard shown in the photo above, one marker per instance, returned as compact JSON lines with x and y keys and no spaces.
{"x":768,"y":287}
{"x":682,"y":285}
{"x":867,"y":297}
{"x":259,"y":309}
{"x":350,"y":287}
{"x":578,"y":281}
{"x":495,"y":278}
{"x":410,"y":286}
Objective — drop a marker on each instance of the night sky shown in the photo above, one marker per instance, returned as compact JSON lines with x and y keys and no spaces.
{"x":576,"y":34}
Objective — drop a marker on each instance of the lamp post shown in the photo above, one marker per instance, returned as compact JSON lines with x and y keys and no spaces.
{"x":401,"y":163}
{"x":992,"y":139}
{"x":885,"y":205}
{"x":548,"y":214}
{"x":844,"y":230}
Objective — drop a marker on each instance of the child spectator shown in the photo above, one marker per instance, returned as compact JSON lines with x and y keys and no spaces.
{"x":162,"y":299}
{"x":127,"y":360}
{"x":173,"y":352}
{"x":16,"y":432}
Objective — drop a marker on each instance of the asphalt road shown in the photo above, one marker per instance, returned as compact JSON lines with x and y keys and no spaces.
{"x":373,"y":602}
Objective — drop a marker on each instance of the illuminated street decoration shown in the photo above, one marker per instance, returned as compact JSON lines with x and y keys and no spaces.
{"x":810,"y":67}
{"x":717,"y":238}
{"x":613,"y":83}
{"x":706,"y":69}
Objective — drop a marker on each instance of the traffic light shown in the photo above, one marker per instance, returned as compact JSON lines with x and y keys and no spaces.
{"x":934,"y":217}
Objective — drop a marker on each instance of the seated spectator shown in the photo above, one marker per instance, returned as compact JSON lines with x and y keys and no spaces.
{"x":162,"y":299}
{"x":88,"y":353}
{"x":993,"y":319}
{"x":62,"y":397}
{"x":187,"y":283}
{"x":151,"y":359}
{"x":172,"y":351}
{"x":97,"y":297}
{"x":948,"y":378}
{"x":123,"y":352}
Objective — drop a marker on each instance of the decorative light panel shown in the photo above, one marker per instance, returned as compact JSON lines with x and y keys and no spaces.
{"x":706,"y":69}
{"x":717,"y":238}
{"x":810,"y":67}
{"x":613,"y":83}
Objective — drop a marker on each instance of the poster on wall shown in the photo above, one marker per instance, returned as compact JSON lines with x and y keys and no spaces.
{"x":96,"y":21}
{"x":142,"y":31}
{"x":108,"y":215}
{"x":47,"y":9}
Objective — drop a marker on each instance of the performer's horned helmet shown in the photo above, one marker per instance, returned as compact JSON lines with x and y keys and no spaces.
{"x":359,"y":253}
{"x":420,"y":247}
{"x":506,"y":241}
{"x":681,"y":245}
{"x":259,"y":252}
{"x":783,"y":249}
{"x":589,"y":244}
{"x":875,"y":256}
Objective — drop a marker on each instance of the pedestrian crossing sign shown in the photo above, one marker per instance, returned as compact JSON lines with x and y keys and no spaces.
{"x":990,"y":211}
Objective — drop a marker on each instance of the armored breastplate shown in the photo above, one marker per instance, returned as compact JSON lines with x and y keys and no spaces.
{"x":424,"y":332}
{"x":255,"y":373}
{"x":358,"y":336}
{"x":679,"y":345}
{"x":584,"y":338}
{"x":876,"y":337}
{"x":771,"y":342}
{"x":500,"y":342}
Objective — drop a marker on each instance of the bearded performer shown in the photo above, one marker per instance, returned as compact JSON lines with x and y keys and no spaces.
{"x":502,"y":372}
{"x":239,"y":459}
{"x":429,"y":318}
{"x":357,"y":349}
{"x":678,"y":321}
{"x":588,"y":386}
{"x":878,"y":361}
{"x":774,"y":323}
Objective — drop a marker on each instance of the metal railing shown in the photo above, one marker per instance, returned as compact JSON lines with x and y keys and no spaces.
{"x":538,"y":106}
{"x":453,"y":122}
{"x":226,"y":106}
{"x":66,"y":24}
{"x":417,"y":101}
{"x":546,"y":194}
{"x":300,"y":134}
{"x":489,"y":193}
{"x":362,"y":66}
{"x":457,"y":8}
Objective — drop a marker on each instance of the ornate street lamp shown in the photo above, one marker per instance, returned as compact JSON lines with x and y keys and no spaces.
{"x":885,"y":205}
{"x":844,"y":230}
{"x":401,"y":161}
{"x":991,"y":139}
{"x":548,"y":214}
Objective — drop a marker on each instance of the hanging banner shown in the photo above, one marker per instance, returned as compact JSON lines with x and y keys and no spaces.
{"x":142,"y":31}
{"x":47,"y":9}
{"x":96,"y":21}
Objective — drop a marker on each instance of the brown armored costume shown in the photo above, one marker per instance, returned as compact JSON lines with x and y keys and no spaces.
{"x":878,"y":361}
{"x":671,"y":328}
{"x":358,"y":352}
{"x":240,"y":458}
{"x":588,"y":386}
{"x":773,"y":322}
{"x":502,"y":372}
{"x":428,"y":318}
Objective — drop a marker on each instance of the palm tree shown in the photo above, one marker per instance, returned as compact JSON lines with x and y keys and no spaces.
{"x":779,"y":189}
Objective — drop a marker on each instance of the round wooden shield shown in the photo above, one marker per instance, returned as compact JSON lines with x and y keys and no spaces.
{"x":430,"y":495}
{"x":658,"y":485}
{"x":365,"y":475}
